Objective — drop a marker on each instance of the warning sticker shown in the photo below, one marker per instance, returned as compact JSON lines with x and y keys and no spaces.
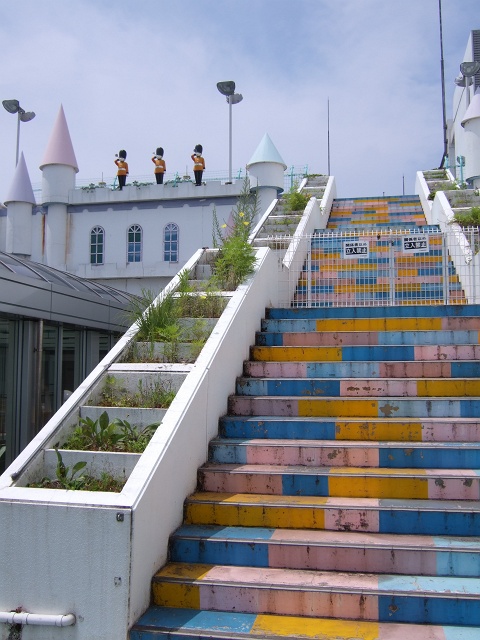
{"x":356,"y":249}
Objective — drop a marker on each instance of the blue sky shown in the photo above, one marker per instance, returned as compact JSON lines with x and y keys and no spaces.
{"x":138,"y":75}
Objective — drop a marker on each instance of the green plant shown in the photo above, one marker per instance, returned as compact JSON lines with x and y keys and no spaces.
{"x":150,"y":316}
{"x":295,"y":200}
{"x":94,"y":435}
{"x":469,"y":218}
{"x":235,"y":261}
{"x":236,"y":257}
{"x":103,"y":435}
{"x":154,"y":395}
{"x":66,"y":478}
{"x":134,"y":439}
{"x":106,"y":482}
{"x":241,"y":219}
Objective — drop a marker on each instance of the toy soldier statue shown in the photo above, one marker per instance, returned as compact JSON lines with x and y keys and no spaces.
{"x":160,"y":166}
{"x":198,"y":164}
{"x":122,"y":167}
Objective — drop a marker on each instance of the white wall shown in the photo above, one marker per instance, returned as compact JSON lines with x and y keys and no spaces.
{"x":93,"y":554}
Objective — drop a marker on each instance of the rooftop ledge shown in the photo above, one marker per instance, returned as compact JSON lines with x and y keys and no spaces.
{"x":168,"y":191}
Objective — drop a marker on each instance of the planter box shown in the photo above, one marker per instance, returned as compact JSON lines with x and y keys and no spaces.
{"x":138,"y":417}
{"x":118,"y":464}
{"x":463,"y":198}
{"x":128,"y":380}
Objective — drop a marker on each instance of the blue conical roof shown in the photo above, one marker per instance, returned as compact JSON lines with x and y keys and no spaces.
{"x":266,"y":152}
{"x":21,"y":187}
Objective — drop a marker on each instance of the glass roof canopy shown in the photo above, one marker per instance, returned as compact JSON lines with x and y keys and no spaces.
{"x":23,"y":267}
{"x":32,"y":290}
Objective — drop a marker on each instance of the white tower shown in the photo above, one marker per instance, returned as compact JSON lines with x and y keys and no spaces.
{"x":20,"y":201}
{"x":266,"y":170}
{"x":59,"y":167}
{"x":471,"y":124}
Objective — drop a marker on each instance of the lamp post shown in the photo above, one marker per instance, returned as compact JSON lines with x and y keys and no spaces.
{"x":468,"y":70}
{"x":227,"y":89}
{"x":13,"y":106}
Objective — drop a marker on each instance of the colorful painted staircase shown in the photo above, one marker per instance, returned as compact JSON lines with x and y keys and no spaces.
{"x":387,"y":275}
{"x":341,"y":499}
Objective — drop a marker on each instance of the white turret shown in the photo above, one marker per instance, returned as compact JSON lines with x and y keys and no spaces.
{"x":471,"y":124}
{"x":266,"y":170}
{"x":20,"y":201}
{"x":59,"y":167}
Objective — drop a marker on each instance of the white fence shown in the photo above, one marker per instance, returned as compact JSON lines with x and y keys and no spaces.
{"x":380,"y":267}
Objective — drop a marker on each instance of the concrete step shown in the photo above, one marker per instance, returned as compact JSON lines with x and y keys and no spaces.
{"x":394,"y":311}
{"x":326,"y":550}
{"x":408,"y":430}
{"x":355,"y":407}
{"x":372,"y":324}
{"x":397,"y":516}
{"x":404,"y":369}
{"x":194,"y":624}
{"x":347,"y":338}
{"x":392,"y":598}
{"x":365,"y":353}
{"x":358,"y":387}
{"x":335,"y":453}
{"x":342,"y":482}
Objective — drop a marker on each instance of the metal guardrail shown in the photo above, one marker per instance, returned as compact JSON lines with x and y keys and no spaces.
{"x":383,"y":267}
{"x":292,"y":176}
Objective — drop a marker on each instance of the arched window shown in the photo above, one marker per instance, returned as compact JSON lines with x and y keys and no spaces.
{"x":170,"y":242}
{"x":97,"y":245}
{"x":134,"y":244}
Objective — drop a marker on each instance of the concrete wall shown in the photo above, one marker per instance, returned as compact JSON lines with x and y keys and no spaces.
{"x":93,"y":554}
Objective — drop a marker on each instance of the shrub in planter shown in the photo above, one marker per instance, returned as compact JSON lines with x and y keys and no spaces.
{"x":103,"y":435}
{"x":72,"y":479}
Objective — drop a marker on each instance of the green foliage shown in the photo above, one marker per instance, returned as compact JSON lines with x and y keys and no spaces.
{"x":469,"y":218}
{"x":152,"y":317}
{"x":236,"y":257}
{"x":295,"y":200}
{"x":242,"y":218}
{"x":235,"y":261}
{"x":70,"y":480}
{"x":103,"y":435}
{"x":66,"y":477}
{"x":155,"y":395}
{"x":448,"y":186}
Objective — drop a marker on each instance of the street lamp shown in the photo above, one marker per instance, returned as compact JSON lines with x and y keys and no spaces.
{"x":13,"y":106}
{"x":227,"y":89}
{"x":468,"y":70}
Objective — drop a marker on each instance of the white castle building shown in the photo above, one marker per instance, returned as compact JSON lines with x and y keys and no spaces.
{"x":464,"y":128}
{"x":132,"y":239}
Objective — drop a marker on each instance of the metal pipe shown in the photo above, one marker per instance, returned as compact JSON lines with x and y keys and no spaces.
{"x":230,"y":98}
{"x":46,"y":620}
{"x":442,"y":72}
{"x":18,"y":138}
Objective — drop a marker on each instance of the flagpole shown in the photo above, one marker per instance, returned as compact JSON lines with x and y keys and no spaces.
{"x":328,"y":134}
{"x":442,"y":68}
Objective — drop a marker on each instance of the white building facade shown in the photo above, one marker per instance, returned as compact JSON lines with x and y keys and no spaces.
{"x":464,"y":128}
{"x":132,"y":239}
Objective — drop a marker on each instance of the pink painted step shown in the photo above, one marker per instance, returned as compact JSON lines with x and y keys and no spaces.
{"x":404,"y":369}
{"x":432,"y":484}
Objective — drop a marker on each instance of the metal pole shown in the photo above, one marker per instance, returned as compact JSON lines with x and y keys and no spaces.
{"x":229,"y":139}
{"x":442,"y":69}
{"x":467,"y":91}
{"x":328,"y":134}
{"x":18,"y":137}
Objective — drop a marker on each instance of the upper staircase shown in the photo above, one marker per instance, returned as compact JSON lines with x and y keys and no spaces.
{"x":341,"y":499}
{"x":386,"y":273}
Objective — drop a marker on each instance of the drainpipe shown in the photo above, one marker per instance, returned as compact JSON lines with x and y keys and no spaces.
{"x":12,"y":617}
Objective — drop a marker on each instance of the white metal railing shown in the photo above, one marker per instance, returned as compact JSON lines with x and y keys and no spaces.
{"x":381,"y":267}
